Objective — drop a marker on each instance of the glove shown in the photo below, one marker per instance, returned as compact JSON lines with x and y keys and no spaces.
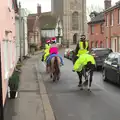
{"x":42,"y":60}
{"x":73,"y":70}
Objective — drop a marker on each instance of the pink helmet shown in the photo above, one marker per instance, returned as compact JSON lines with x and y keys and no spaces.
{"x":48,"y":41}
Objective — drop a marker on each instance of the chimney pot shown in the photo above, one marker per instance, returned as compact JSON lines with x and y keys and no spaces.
{"x":107,"y":4}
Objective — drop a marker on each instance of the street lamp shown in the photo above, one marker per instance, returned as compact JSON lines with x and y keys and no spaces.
{"x":59,"y":30}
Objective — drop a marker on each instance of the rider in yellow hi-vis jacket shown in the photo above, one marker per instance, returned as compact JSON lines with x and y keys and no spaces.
{"x":87,"y":62}
{"x":46,"y":51}
{"x":81,"y":48}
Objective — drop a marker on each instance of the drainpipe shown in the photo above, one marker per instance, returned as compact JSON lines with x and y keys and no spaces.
{"x":1,"y":93}
{"x":20,"y":35}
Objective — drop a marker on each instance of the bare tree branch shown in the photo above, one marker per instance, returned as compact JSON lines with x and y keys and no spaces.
{"x":93,"y":8}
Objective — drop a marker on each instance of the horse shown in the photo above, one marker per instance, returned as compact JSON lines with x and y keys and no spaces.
{"x":55,"y":68}
{"x":86,"y":73}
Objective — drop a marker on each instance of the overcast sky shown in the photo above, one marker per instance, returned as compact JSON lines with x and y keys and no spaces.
{"x":46,"y":4}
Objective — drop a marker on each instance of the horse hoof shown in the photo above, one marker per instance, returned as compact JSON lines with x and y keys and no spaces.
{"x":81,"y":88}
{"x":50,"y":76}
{"x":89,"y":90}
{"x":53,"y":80}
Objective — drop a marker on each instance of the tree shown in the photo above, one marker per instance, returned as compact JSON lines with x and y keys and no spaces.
{"x":93,"y":8}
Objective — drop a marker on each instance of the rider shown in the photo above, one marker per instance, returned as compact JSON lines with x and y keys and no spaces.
{"x":81,"y":48}
{"x":86,"y":61}
{"x":54,"y":52}
{"x":46,"y":51}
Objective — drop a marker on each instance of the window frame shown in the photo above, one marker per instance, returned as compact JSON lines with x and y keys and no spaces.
{"x":102,"y":28}
{"x":111,"y":18}
{"x":118,"y":16}
{"x":107,"y":20}
{"x":92,"y":29}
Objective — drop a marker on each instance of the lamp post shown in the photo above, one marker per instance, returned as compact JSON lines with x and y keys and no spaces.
{"x":58,"y":33}
{"x":59,"y":30}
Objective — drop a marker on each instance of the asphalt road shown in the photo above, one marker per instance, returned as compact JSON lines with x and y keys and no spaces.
{"x":70,"y":103}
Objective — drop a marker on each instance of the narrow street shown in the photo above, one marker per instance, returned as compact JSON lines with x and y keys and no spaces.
{"x":70,"y":103}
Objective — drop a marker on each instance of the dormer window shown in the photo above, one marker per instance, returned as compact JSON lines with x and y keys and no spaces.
{"x":92,"y":15}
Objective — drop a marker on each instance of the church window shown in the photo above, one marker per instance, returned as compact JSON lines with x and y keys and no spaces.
{"x":75,"y":24}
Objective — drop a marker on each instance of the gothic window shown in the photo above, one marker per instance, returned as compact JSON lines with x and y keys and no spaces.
{"x":75,"y":24}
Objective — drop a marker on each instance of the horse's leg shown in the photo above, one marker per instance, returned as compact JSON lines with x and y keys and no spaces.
{"x":90,"y":80}
{"x":80,"y":78}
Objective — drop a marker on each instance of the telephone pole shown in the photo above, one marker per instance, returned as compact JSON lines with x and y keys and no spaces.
{"x":20,"y":32}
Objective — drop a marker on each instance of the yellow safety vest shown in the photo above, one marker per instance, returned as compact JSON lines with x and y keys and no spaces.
{"x":82,"y":50}
{"x":47,"y":46}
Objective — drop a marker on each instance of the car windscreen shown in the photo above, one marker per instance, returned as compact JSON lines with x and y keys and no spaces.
{"x":102,"y":52}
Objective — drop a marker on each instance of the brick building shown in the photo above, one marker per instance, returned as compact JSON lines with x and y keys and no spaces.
{"x":34,"y":32}
{"x":112,"y":27}
{"x":96,"y":30}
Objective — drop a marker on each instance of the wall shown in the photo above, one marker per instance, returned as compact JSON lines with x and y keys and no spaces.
{"x":112,"y":32}
{"x":24,"y":32}
{"x":48,"y":33}
{"x":97,"y":36}
{"x":8,"y":49}
{"x":17,"y":38}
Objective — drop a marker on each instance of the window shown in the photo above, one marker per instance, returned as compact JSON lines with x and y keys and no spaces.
{"x":119,"y":16}
{"x":101,"y":44}
{"x":110,"y":57}
{"x":102,"y":28}
{"x":96,"y":44}
{"x":92,"y":29}
{"x":111,"y":19}
{"x":107,"y":20}
{"x":115,"y":58}
{"x":75,"y":23}
{"x":6,"y":58}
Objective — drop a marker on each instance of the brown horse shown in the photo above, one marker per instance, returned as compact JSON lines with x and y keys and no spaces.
{"x":55,"y":68}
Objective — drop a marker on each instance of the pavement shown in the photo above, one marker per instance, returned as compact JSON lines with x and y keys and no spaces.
{"x":70,"y":103}
{"x":32,"y":102}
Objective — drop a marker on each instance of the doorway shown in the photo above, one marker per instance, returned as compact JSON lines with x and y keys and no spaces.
{"x":75,"y":38}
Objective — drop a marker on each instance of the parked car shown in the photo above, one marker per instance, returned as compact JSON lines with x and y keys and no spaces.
{"x":100,"y":54}
{"x":67,"y":52}
{"x":111,"y":68}
{"x":71,"y":53}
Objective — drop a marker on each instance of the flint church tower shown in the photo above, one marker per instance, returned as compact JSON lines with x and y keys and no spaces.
{"x":73,"y":16}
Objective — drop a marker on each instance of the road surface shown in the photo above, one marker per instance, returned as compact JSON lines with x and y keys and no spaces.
{"x":70,"y":103}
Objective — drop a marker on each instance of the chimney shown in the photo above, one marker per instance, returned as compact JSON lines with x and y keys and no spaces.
{"x":107,"y":4}
{"x":38,"y":9}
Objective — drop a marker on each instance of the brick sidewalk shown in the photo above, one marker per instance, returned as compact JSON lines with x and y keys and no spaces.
{"x":28,"y":105}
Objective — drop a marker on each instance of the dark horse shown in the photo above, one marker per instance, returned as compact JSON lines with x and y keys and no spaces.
{"x":55,"y":68}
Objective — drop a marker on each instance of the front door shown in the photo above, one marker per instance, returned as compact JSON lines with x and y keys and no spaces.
{"x":75,"y":38}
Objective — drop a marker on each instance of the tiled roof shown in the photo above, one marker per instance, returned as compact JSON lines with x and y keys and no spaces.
{"x":98,"y":18}
{"x":48,"y":20}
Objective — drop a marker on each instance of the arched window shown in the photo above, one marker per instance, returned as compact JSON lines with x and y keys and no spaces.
{"x":101,"y":44}
{"x":75,"y":24}
{"x":96,"y":44}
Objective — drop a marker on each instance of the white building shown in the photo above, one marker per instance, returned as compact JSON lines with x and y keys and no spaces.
{"x":24,"y":40}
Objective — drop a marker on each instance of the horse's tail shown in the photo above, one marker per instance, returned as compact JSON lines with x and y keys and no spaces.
{"x":56,"y":65}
